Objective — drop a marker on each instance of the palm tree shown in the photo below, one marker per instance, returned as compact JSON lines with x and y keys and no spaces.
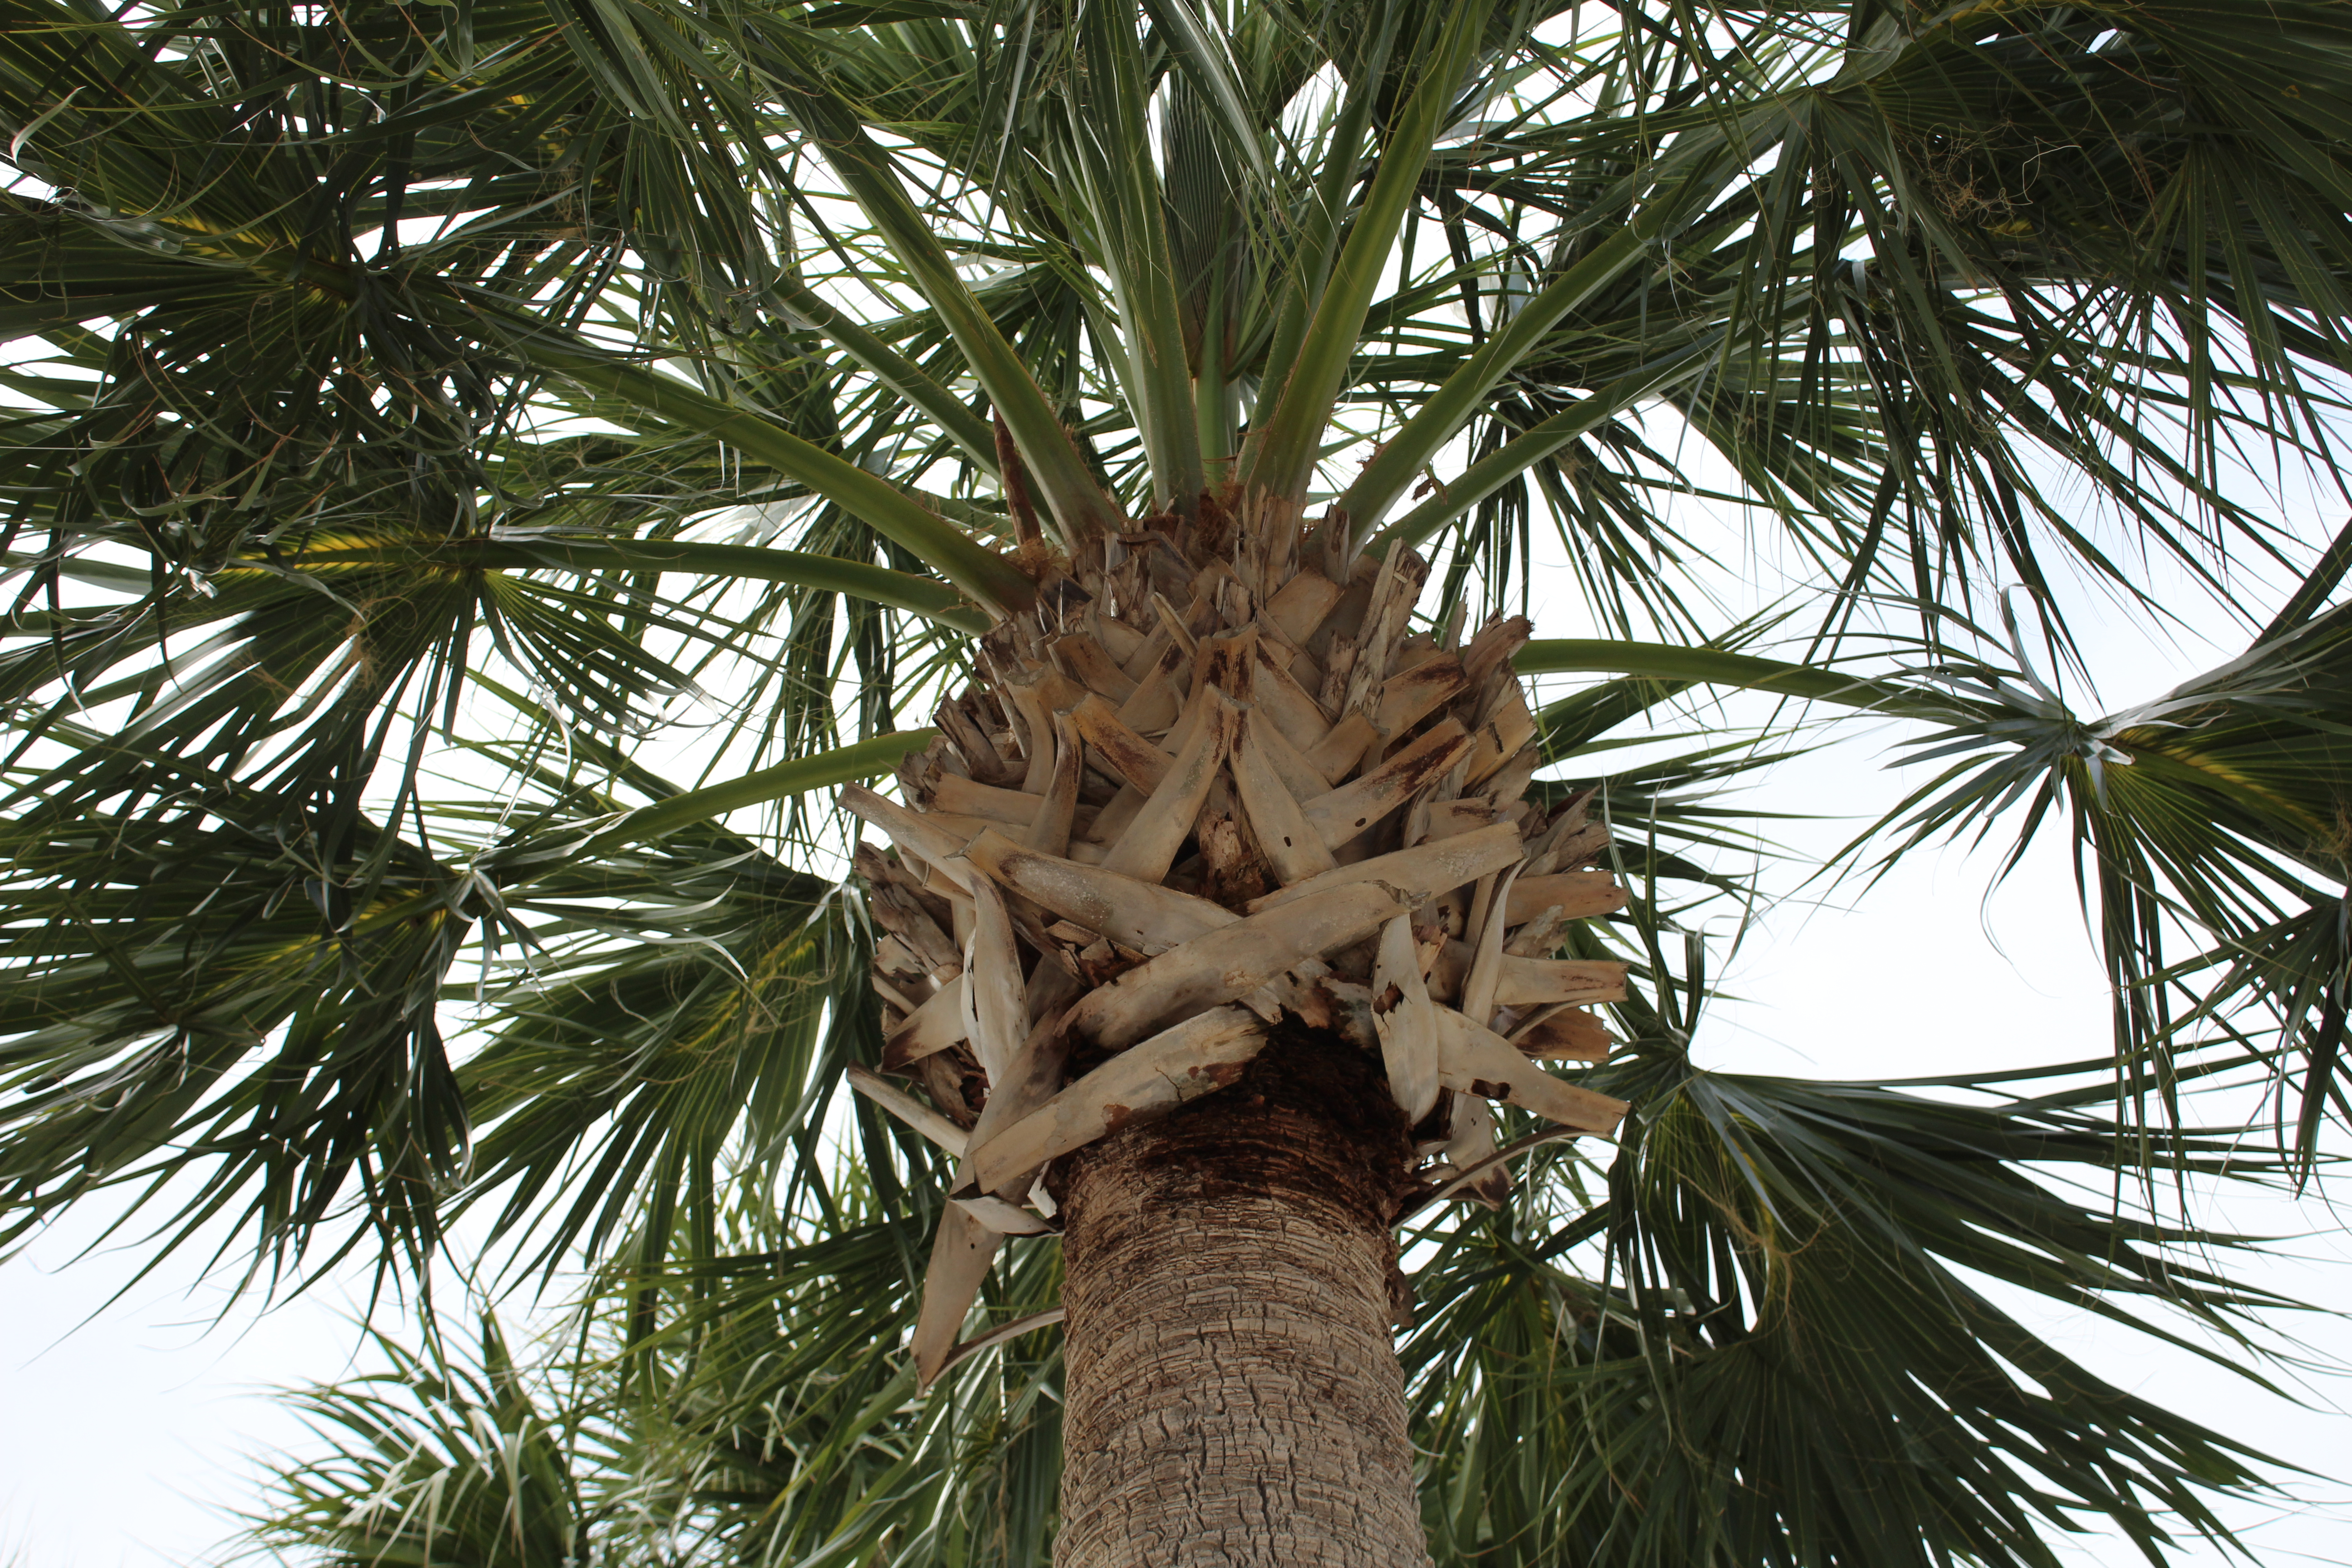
{"x":424,"y":409}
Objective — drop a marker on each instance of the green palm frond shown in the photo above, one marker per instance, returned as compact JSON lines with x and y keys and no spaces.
{"x":224,"y":1005}
{"x":1790,"y":1353}
{"x":439,"y":1459}
{"x":2217,"y":817}
{"x":243,"y":999}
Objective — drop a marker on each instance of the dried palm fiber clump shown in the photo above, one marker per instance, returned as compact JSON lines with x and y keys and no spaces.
{"x":1203,"y":783}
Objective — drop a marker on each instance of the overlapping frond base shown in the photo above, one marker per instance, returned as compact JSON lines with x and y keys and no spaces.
{"x":1206,"y":782}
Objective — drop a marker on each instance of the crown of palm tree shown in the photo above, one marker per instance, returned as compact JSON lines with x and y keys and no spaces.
{"x":1360,"y":859}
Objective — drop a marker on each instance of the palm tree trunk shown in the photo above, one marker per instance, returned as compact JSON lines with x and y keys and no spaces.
{"x":1234,"y":1395}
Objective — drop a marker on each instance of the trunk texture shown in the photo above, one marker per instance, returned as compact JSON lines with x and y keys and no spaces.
{"x":1234,"y":1395}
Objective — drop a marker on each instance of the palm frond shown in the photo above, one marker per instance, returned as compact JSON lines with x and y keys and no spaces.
{"x":440,"y":1458}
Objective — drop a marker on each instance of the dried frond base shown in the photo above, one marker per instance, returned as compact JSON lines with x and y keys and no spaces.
{"x":1204,"y":783}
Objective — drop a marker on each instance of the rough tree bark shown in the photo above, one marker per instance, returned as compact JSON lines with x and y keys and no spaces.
{"x":1234,"y":1396}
